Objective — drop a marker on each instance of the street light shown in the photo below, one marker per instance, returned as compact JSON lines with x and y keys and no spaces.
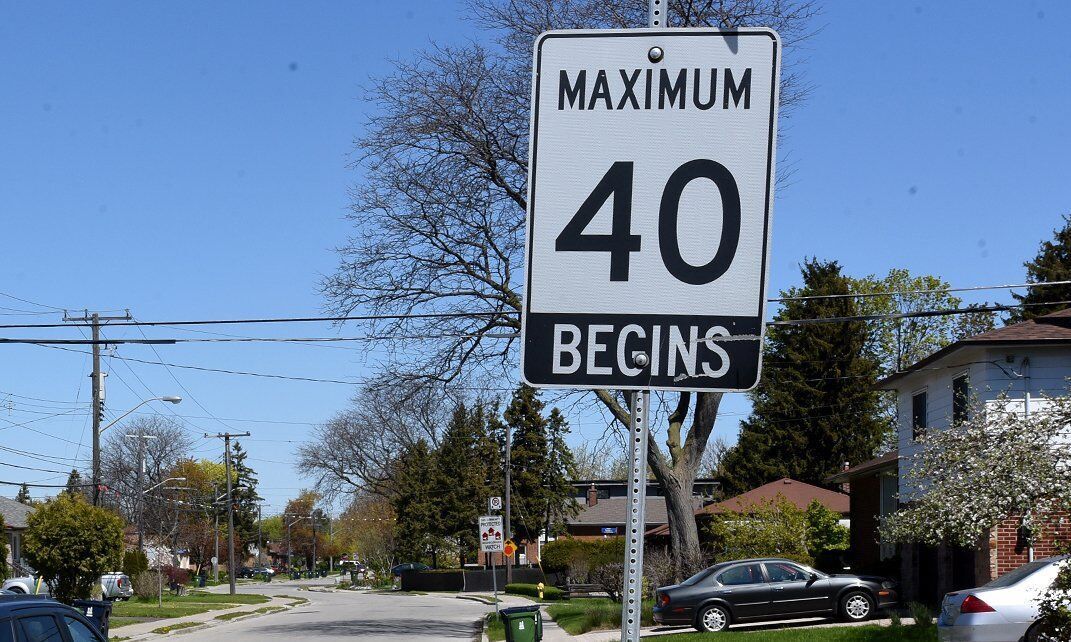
{"x":169,"y":479}
{"x":167,"y":398}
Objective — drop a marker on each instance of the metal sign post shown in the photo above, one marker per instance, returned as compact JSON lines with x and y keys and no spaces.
{"x":632,"y":591}
{"x":650,"y":198}
{"x":491,"y":541}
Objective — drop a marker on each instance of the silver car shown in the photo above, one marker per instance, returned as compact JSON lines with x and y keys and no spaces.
{"x":116,"y":586}
{"x":1005,"y":610}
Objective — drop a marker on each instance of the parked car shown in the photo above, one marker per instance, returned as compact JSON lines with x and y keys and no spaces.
{"x":263,"y":570}
{"x":398,"y":569}
{"x":768,"y":589}
{"x":117,"y":586}
{"x":1004,"y":609}
{"x":245,"y":571}
{"x":25,"y":617}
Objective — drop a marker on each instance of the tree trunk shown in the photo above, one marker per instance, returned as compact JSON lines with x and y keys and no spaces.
{"x":680,"y":510}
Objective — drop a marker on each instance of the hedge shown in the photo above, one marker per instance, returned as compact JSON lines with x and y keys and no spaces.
{"x":531,"y":590}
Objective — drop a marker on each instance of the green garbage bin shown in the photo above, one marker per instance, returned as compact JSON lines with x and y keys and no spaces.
{"x":523,"y":623}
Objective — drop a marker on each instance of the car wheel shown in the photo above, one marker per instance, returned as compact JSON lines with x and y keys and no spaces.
{"x":713,"y":618}
{"x":856,"y":606}
{"x":15,"y":589}
{"x":1038,"y":633}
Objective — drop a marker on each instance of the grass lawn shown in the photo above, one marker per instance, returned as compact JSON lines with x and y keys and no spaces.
{"x":591,"y":614}
{"x":176,"y":606}
{"x":494,"y":628}
{"x":836,"y":634}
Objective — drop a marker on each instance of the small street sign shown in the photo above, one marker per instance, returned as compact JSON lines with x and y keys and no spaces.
{"x":494,"y":503}
{"x":491,"y":537}
{"x":651,"y":177}
{"x":509,"y":548}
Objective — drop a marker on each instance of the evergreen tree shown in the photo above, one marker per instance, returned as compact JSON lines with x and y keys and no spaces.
{"x":24,"y":495}
{"x":816,"y":406}
{"x":528,"y":462}
{"x":245,"y":498}
{"x":75,"y":484}
{"x":1052,"y":263}
{"x":468,"y":469}
{"x":541,"y":466}
{"x":560,"y":470}
{"x":415,"y":500}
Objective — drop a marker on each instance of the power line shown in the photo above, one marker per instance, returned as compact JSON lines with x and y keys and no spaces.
{"x":40,"y":305}
{"x":866,"y":295}
{"x":365,"y":317}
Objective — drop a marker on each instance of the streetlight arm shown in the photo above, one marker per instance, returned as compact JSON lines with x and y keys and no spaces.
{"x":140,"y":404}
{"x":169,"y":479}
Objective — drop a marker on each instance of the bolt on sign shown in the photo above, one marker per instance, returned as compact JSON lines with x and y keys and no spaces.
{"x":491,"y":537}
{"x":650,"y":193}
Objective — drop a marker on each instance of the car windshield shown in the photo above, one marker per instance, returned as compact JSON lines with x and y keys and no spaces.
{"x":1019,"y":574}
{"x":698,"y":577}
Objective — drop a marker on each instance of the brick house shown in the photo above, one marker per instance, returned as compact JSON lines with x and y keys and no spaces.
{"x":873,"y":487}
{"x":603,"y":506}
{"x":1024,"y":361}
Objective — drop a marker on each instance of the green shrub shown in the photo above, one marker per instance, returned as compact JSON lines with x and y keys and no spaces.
{"x":769,"y":528}
{"x":531,"y":590}
{"x":135,"y":562}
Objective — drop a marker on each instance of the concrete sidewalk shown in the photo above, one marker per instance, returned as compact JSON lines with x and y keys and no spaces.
{"x":144,"y":630}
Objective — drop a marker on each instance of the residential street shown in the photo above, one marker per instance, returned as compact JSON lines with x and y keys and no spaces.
{"x":355,"y":614}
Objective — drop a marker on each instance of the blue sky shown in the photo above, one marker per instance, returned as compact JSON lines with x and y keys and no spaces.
{"x":190,"y":160}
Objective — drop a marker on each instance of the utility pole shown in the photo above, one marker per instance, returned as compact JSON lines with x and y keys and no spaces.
{"x":226,"y":437}
{"x":508,"y":529}
{"x":98,"y":388}
{"x":141,"y":486}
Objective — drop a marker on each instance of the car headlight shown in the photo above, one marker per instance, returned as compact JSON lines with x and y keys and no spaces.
{"x":888,"y":584}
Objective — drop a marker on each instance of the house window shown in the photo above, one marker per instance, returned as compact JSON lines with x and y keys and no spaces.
{"x":961,"y":398}
{"x":918,"y":415}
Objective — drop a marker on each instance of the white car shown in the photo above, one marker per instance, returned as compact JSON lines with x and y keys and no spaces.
{"x":1005,"y":610}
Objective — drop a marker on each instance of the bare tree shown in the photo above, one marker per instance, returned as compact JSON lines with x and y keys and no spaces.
{"x":440,"y":209}
{"x":119,"y":460}
{"x":353,"y":451}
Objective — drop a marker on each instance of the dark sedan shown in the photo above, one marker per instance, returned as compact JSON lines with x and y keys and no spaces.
{"x":769,"y":589}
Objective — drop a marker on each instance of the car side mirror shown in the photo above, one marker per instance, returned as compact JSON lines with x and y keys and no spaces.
{"x":814,"y":577}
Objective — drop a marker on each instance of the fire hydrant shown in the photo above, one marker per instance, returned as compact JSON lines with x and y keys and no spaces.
{"x":540,"y":587}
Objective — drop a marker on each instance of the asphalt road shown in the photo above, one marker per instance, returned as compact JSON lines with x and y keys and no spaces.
{"x":356,"y":615}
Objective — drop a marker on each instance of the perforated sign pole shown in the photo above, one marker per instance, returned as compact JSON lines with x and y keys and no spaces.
{"x":632,"y":591}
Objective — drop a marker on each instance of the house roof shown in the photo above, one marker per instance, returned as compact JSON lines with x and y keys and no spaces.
{"x":1050,"y":329}
{"x":15,"y":513}
{"x":613,"y":511}
{"x":799,"y":493}
{"x":887,"y":461}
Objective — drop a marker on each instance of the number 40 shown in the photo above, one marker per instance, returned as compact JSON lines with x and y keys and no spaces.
{"x":621,"y":242}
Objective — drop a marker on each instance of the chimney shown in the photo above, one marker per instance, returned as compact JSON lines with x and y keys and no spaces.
{"x":593,"y":496}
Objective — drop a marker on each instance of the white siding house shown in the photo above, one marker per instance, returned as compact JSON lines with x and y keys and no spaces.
{"x":1027,"y":361}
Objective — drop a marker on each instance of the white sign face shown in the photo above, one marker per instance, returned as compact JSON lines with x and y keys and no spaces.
{"x":494,"y":503}
{"x":491,"y":537}
{"x":650,"y":190}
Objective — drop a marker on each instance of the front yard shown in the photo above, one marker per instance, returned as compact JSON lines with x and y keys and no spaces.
{"x":147,"y":609}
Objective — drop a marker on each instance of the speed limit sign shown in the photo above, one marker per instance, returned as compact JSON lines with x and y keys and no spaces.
{"x":651,"y":177}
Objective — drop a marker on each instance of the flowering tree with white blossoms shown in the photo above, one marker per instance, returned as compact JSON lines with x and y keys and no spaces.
{"x":1002,"y":462}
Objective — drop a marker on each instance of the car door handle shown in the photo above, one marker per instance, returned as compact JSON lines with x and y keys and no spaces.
{"x":726,"y":591}
{"x":778,"y":588}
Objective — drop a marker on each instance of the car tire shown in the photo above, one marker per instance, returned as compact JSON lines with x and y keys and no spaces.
{"x":712,"y":619}
{"x":1036,"y":633}
{"x":856,"y":606}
